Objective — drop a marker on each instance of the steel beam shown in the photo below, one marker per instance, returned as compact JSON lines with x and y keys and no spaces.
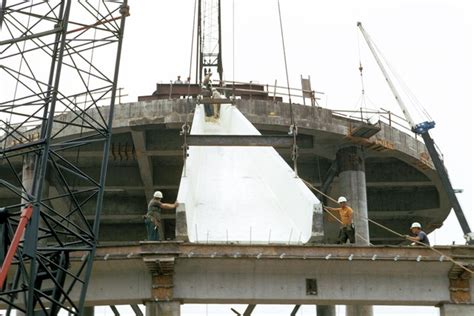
{"x":144,"y":162}
{"x":215,"y":101}
{"x":114,"y":310}
{"x":136,"y":310}
{"x":248,"y":311}
{"x":240,"y":140}
{"x":447,"y":186}
{"x":295,"y":310}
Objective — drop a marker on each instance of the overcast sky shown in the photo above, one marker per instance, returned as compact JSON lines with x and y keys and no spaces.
{"x":428,"y":42}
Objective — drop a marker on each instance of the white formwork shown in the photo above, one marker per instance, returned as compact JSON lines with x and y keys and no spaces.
{"x":242,"y":194}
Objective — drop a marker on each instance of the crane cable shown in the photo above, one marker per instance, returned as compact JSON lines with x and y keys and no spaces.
{"x":293,"y":127}
{"x":185,"y":128}
{"x":8,"y":123}
{"x":392,"y":231}
{"x":364,"y":101}
{"x":233,"y":52}
{"x":409,"y":94}
{"x":360,"y":68}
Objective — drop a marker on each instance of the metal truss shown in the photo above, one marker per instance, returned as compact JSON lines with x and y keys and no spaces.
{"x":209,"y":41}
{"x":59,"y":64}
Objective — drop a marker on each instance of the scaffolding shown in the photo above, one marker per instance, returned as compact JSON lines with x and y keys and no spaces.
{"x":59,"y":64}
{"x":209,"y":40}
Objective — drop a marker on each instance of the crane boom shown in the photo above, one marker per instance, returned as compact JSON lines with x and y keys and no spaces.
{"x":387,"y":77}
{"x":423,"y":130}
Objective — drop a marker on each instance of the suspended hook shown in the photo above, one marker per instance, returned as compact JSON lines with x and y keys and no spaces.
{"x":294,"y":151}
{"x":185,"y":128}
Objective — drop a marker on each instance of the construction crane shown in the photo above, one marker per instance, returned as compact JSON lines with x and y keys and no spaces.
{"x":209,"y":39}
{"x":423,"y":130}
{"x":44,"y":219}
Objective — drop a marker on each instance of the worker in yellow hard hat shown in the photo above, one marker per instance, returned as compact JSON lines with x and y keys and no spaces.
{"x":347,"y":230}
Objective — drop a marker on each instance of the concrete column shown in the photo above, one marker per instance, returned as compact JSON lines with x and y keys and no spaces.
{"x":359,"y":310}
{"x":88,"y":311}
{"x":163,"y":309}
{"x":353,"y":186}
{"x":326,"y":310}
{"x":456,"y":309}
{"x":27,"y":179}
{"x":28,"y":173}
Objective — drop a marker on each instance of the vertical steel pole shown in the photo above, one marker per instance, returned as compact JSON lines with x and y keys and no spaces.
{"x":31,"y":236}
{"x":105,"y":158}
{"x":220,"y":69}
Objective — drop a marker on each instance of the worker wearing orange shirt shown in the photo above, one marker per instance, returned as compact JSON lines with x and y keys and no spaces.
{"x":347,"y":230}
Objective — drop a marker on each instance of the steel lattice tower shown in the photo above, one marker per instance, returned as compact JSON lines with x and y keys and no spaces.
{"x":59,"y":64}
{"x":209,"y":40}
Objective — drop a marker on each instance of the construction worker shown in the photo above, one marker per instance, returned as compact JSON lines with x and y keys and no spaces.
{"x":216,"y":106}
{"x":153,"y":215}
{"x":347,"y":230}
{"x":178,"y":80}
{"x":420,"y":236}
{"x":206,"y":91}
{"x":206,"y":82}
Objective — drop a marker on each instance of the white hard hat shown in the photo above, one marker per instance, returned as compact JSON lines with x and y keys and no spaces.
{"x":158,"y":195}
{"x":415,"y":225}
{"x":341,"y":199}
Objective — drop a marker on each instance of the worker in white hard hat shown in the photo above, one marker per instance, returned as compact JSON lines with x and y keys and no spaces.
{"x":153,"y":215}
{"x":206,"y":91}
{"x":419,"y":235}
{"x":347,"y":230}
{"x":216,"y":106}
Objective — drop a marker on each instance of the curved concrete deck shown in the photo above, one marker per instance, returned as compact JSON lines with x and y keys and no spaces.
{"x":146,"y":155}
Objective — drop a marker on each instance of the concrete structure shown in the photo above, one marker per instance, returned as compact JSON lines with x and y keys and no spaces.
{"x":351,"y":162}
{"x":164,"y":275}
{"x":400,"y":187}
{"x":146,"y":155}
{"x":353,"y":185}
{"x":326,"y":310}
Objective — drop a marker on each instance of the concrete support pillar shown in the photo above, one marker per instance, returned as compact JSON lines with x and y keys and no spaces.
{"x":326,"y":310}
{"x":163,"y":308}
{"x":27,"y":179}
{"x":353,"y":186}
{"x":88,"y":311}
{"x":456,"y":309}
{"x":359,"y":310}
{"x":28,"y":173}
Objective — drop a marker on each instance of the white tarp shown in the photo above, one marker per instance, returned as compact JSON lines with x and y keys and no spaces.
{"x":242,"y":194}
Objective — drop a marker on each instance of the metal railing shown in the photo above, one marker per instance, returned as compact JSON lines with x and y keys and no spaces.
{"x":385,"y":116}
{"x":254,"y":90}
